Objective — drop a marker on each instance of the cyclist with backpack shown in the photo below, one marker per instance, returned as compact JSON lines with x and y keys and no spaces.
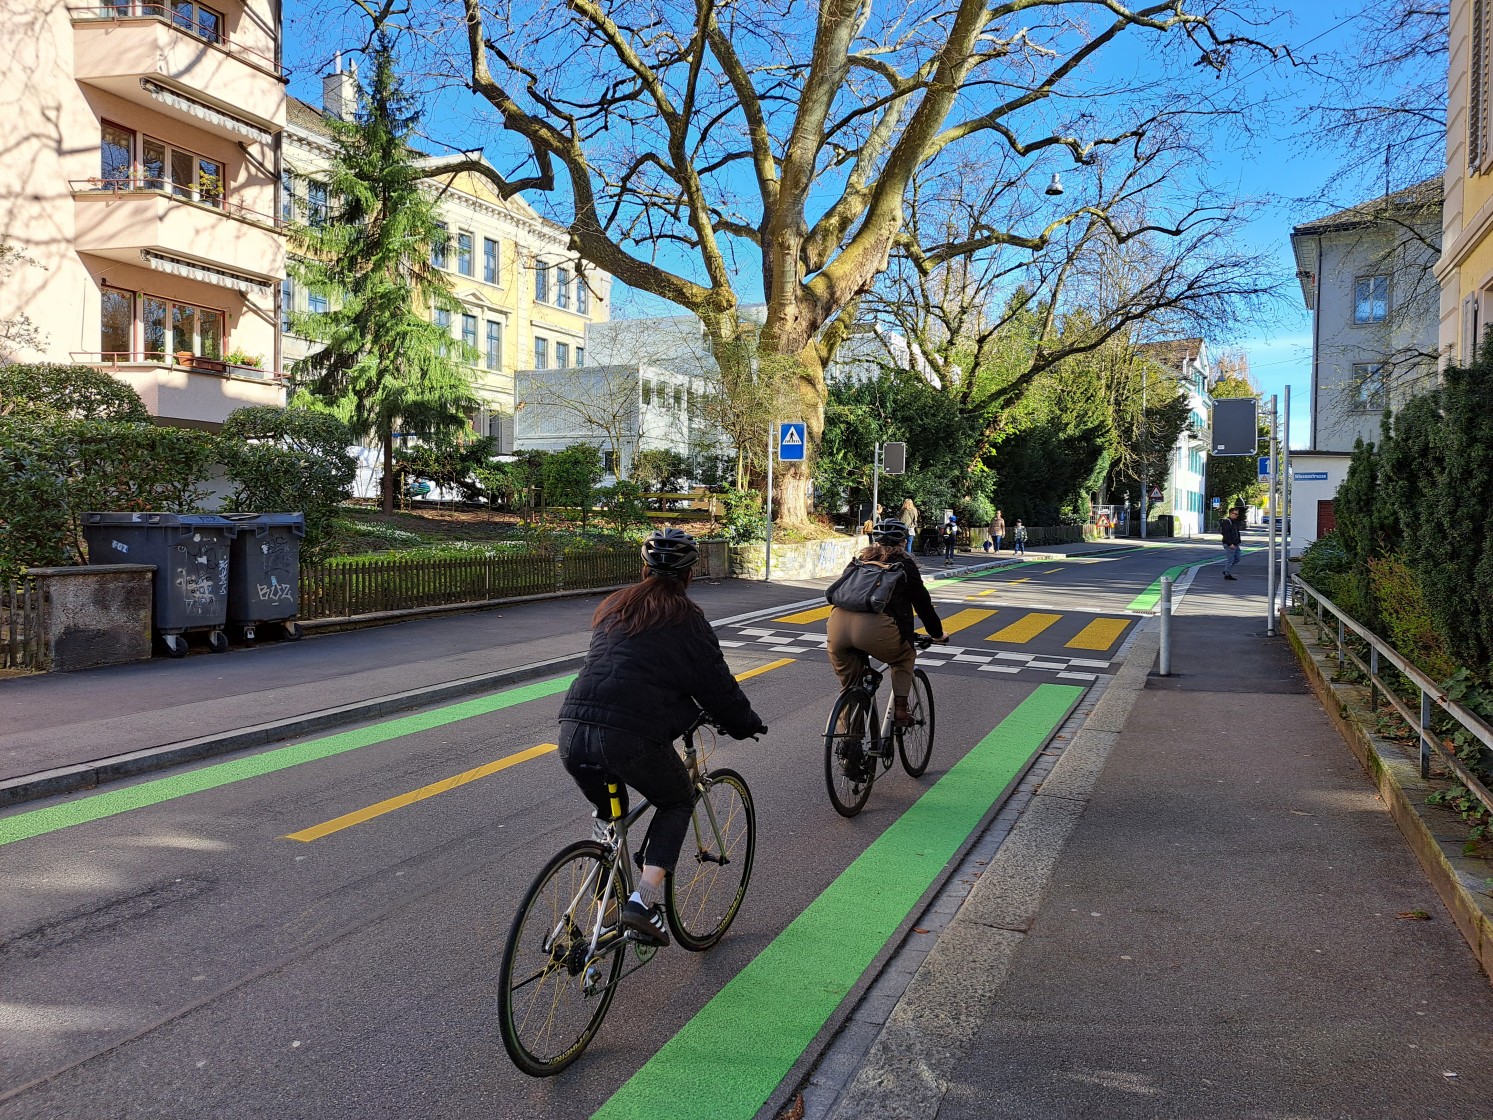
{"x":654,"y":662}
{"x":872,"y":604}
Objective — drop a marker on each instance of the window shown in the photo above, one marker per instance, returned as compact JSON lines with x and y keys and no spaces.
{"x":161,"y":167}
{"x":116,"y":156}
{"x":562,"y":355}
{"x":464,"y":253}
{"x":443,"y":319}
{"x":287,"y":302}
{"x":440,"y":246}
{"x":609,"y":462}
{"x":562,"y":287}
{"x":647,"y":392}
{"x":317,"y":305}
{"x":1477,"y":87}
{"x":197,"y":20}
{"x":494,"y":344}
{"x":168,"y":327}
{"x":1368,"y":386}
{"x":541,"y":353}
{"x":678,"y":398}
{"x":117,"y":324}
{"x":316,"y":203}
{"x":580,"y":356}
{"x":1371,"y":299}
{"x":489,"y":260}
{"x":287,"y":196}
{"x":469,"y":330}
{"x":582,"y":296}
{"x":541,"y":283}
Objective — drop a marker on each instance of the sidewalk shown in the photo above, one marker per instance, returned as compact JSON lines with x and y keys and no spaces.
{"x":1204,"y":911}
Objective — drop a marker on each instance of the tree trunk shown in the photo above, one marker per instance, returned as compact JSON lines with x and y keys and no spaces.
{"x":388,"y":483}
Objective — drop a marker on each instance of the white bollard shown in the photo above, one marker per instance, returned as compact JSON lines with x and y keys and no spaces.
{"x":1166,"y":627}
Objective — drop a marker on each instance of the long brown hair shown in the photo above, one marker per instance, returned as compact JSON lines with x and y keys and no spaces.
{"x":653,"y":601}
{"x":884,"y":553}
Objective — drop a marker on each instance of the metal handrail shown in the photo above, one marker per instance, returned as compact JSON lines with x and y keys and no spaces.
{"x":167,"y":359}
{"x":159,"y":13}
{"x":141,"y":184}
{"x":1431,"y":693}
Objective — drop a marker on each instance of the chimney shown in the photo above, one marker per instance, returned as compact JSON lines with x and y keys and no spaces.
{"x":339,"y":92}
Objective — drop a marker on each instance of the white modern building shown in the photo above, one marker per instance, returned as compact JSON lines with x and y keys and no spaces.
{"x":1367,"y":275}
{"x":1184,"y":492}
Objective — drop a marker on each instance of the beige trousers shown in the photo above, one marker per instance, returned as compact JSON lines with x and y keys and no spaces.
{"x":852,"y":634}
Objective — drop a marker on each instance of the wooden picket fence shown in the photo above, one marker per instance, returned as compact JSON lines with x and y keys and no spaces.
{"x":350,"y":588}
{"x":20,"y":623}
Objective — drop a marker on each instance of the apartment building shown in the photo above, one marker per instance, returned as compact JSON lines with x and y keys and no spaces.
{"x":1465,"y":270}
{"x":526,"y":301}
{"x":142,"y":157}
{"x":1184,"y":494}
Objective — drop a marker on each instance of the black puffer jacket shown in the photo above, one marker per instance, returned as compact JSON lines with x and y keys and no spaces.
{"x":654,"y":683}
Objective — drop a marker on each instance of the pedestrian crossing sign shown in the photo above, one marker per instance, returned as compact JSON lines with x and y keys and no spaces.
{"x":791,"y":442}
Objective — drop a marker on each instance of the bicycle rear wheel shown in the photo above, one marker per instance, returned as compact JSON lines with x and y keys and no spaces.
{"x":915,"y":743}
{"x":705,"y":889}
{"x":554,"y":993}
{"x":849,"y":771}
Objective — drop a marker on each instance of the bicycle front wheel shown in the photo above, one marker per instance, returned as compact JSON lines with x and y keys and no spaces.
{"x":555,"y":993}
{"x":848,"y":770}
{"x":707,"y":885}
{"x":915,"y":743}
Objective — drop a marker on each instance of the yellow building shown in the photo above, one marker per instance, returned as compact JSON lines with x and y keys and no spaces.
{"x":1465,"y":270}
{"x":525,"y":301}
{"x":142,"y":143}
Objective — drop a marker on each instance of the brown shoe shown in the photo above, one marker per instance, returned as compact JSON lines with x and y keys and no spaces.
{"x":900,"y":715}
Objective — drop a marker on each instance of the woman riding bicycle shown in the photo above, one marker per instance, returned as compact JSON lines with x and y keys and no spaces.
{"x":886,"y":635}
{"x":654,"y":662}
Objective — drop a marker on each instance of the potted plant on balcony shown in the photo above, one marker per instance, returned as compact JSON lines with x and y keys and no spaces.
{"x":237,"y":357}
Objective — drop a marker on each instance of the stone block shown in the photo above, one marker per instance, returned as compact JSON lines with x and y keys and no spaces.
{"x":95,"y":615}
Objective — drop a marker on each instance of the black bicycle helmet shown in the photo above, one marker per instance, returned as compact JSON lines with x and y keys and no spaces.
{"x":670,"y":552}
{"x":889,"y":532}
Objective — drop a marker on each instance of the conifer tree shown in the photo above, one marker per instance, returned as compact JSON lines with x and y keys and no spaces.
{"x":386,"y":364}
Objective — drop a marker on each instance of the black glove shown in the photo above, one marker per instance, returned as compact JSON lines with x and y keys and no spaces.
{"x":759,"y":729}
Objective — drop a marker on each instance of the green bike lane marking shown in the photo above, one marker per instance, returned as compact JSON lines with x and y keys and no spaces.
{"x":37,"y":822}
{"x":1148,"y":598}
{"x":727,"y":1060}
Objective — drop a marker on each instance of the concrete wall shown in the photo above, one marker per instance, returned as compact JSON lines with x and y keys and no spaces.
{"x":799,"y":560}
{"x":92,"y":616}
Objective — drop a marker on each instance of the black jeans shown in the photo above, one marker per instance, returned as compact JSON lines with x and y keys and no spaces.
{"x":594,"y":755}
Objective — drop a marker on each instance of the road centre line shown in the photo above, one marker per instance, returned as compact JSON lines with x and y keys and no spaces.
{"x":98,"y":806}
{"x":727,"y":1060}
{"x":456,"y":781}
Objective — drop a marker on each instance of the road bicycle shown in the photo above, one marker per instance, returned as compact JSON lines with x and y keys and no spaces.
{"x":567,"y":950}
{"x":851,"y":762}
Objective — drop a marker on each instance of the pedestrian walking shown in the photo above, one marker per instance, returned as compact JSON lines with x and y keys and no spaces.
{"x":1018,"y":539}
{"x":998,"y":530}
{"x":1229,"y":527}
{"x":910,"y":519}
{"x":950,"y":537}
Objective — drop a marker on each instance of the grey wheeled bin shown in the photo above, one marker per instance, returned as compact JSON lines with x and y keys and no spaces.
{"x":264,"y":580}
{"x":191,"y":555}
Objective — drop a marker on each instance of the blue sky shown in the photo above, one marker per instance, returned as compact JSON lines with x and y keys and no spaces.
{"x":1277,"y":166}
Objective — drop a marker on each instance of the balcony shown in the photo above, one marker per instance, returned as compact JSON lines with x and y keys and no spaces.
{"x":204,"y":238}
{"x":197,"y":393}
{"x":197,"y":76}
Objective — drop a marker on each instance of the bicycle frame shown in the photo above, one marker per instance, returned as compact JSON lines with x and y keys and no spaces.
{"x":622,"y":859}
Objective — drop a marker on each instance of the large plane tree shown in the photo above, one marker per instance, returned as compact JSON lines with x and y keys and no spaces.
{"x":709,"y":149}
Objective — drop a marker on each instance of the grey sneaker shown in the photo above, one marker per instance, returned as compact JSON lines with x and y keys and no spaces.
{"x":646,"y":923}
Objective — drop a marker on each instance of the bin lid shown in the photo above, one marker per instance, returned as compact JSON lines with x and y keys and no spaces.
{"x":115,"y":519}
{"x":258,"y":522}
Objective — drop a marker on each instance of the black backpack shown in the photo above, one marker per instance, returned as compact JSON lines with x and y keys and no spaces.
{"x":864,"y":587}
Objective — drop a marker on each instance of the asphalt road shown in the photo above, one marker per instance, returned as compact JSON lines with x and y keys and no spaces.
{"x":172,"y":952}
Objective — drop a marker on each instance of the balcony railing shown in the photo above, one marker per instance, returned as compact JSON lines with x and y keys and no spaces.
{"x":161,"y":13}
{"x":140,"y":184}
{"x":197,"y":363}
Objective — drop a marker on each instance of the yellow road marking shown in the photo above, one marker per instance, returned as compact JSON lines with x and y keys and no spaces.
{"x":1026,"y":629}
{"x":769,"y":667}
{"x":982,"y":594}
{"x":1049,"y":571}
{"x":1023,"y":579}
{"x":1099,"y":634}
{"x":961,"y":620}
{"x":803,"y":617}
{"x":456,"y":781}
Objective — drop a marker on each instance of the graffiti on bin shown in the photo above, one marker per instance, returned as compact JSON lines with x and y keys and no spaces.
{"x":201,"y":575}
{"x":277,"y":559}
{"x":275,"y":591}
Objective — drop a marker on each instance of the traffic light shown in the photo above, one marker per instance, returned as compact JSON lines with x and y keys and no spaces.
{"x":894,"y":458}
